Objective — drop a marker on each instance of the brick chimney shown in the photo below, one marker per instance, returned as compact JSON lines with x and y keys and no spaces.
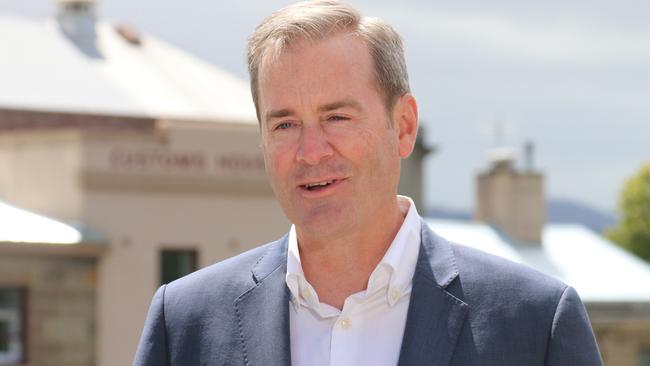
{"x":512,"y":200}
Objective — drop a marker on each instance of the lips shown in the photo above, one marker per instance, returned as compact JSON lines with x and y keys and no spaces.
{"x":320,"y":185}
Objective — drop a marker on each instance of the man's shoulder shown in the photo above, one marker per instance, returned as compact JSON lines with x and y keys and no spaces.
{"x":517,"y":314}
{"x":490,"y":266}
{"x":477,"y":269}
{"x":489,"y":278}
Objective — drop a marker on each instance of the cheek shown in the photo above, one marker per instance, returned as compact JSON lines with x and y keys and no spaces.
{"x":378,"y":142}
{"x":269,"y":160}
{"x":277,"y":161}
{"x":381,"y":154}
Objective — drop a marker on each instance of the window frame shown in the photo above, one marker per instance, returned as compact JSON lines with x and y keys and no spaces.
{"x":23,"y":321}
{"x":193,"y":250}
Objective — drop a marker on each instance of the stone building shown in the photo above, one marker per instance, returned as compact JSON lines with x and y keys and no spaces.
{"x":108,"y":129}
{"x":48,"y":273}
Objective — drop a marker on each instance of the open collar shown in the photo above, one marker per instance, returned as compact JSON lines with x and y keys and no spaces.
{"x":434,"y":321}
{"x":392,"y":274}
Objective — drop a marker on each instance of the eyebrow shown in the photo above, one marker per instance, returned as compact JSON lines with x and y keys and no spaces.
{"x":344,"y":103}
{"x":278,"y":113}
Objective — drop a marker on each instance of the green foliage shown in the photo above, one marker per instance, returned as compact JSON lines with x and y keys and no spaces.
{"x":633,"y":232}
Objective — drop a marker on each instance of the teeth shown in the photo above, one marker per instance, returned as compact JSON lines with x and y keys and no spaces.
{"x":321,"y":184}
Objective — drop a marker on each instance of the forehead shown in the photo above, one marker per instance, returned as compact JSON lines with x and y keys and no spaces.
{"x":341,"y":62}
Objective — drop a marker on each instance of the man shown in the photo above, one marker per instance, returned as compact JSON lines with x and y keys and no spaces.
{"x":359,"y":279}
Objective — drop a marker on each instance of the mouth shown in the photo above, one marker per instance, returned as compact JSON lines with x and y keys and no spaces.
{"x":317,"y":186}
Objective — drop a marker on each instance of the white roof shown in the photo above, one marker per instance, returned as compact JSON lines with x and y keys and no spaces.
{"x":41,"y":69}
{"x":599,"y":270}
{"x":21,"y":226}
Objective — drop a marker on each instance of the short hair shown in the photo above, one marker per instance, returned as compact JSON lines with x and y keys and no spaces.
{"x":316,"y":20}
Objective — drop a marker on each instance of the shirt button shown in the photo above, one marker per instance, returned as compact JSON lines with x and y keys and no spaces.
{"x":394,"y":294}
{"x":306,"y":294}
{"x":346,"y":323}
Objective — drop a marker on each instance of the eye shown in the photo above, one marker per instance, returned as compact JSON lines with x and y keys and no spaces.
{"x":337,"y":118}
{"x":283,"y":126}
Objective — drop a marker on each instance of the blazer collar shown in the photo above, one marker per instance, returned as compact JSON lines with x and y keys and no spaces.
{"x":262,"y":315}
{"x":435,"y":316}
{"x":436,"y":260}
{"x":274,"y":257}
{"x":433,"y":324}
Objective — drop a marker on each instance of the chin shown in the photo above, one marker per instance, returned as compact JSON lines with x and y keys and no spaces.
{"x":325,"y":220}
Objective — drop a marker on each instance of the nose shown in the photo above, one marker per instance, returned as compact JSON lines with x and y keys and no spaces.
{"x":314,"y":145}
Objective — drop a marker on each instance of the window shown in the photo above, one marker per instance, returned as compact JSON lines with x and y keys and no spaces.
{"x":176,"y":264}
{"x":644,"y":357}
{"x":12,"y":325}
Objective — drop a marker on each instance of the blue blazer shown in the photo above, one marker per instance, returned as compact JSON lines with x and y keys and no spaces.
{"x":467,"y":308}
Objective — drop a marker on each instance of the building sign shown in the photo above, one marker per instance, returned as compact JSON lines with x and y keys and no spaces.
{"x":161,"y":161}
{"x":157,"y":160}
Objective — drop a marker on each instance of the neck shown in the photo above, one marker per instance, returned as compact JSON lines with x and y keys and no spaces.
{"x":340,"y":266}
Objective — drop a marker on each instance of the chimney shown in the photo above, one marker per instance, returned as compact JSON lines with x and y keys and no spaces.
{"x":529,"y":152}
{"x":76,"y":19}
{"x":511,"y":200}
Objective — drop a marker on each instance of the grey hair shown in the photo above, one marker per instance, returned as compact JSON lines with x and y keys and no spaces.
{"x":316,"y":20}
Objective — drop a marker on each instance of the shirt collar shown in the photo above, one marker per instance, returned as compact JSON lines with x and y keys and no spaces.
{"x":393,"y":274}
{"x":295,"y":275}
{"x":401,"y":257}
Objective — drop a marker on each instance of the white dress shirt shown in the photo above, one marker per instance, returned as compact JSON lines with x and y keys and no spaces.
{"x":369,"y":328}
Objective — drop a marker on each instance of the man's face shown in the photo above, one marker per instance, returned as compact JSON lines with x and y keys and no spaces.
{"x":331,"y":154}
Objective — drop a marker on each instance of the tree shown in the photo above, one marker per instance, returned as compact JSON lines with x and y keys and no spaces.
{"x":633,"y":231}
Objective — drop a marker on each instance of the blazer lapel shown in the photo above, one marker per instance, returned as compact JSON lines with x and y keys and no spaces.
{"x":435,"y":316}
{"x":263,"y":311}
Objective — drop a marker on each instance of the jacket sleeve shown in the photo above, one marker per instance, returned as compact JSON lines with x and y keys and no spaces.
{"x":572,"y":340}
{"x":152,"y":349}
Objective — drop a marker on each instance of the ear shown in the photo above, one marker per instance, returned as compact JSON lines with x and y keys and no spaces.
{"x":405,"y":118}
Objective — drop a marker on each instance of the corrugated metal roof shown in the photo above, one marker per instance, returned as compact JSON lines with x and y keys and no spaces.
{"x":41,"y":69}
{"x":598,"y":269}
{"x":21,"y":226}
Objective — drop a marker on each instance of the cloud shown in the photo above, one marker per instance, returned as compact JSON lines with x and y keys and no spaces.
{"x":541,"y":39}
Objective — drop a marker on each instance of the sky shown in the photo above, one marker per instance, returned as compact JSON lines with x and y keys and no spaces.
{"x":573,"y":77}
